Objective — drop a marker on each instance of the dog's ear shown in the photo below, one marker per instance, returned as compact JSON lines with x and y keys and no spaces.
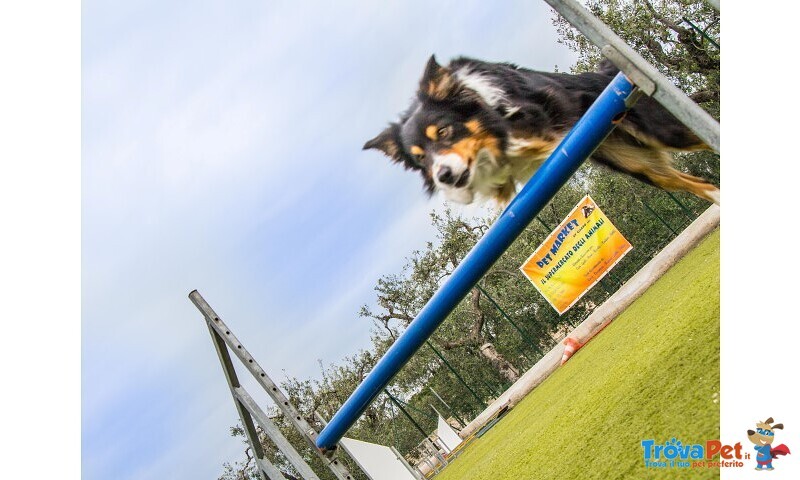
{"x":388,"y":142}
{"x":437,"y":82}
{"x":779,"y":426}
{"x":769,"y":420}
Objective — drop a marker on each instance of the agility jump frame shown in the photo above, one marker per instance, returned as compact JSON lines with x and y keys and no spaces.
{"x":575,"y":148}
{"x":225,"y":342}
{"x":637,"y":77}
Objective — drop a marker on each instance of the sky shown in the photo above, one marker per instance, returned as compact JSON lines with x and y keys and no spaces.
{"x":221,"y":151}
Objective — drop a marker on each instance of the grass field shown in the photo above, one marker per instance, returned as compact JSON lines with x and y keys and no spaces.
{"x":653,"y":373}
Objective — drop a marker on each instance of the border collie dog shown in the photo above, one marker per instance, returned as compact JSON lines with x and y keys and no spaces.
{"x":478,"y":129}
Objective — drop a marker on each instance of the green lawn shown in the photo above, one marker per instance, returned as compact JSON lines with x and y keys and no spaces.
{"x":653,"y":373}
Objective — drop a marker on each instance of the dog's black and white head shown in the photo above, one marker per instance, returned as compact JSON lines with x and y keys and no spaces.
{"x":454,"y":134}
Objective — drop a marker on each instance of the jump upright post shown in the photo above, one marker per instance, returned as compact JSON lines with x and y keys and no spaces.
{"x":576,"y":147}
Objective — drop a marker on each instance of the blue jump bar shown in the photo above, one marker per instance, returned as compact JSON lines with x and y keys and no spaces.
{"x":576,"y":147}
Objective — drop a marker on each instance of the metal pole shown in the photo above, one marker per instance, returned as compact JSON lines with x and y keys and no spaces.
{"x":413,"y":471}
{"x":546,"y":227}
{"x":576,"y":147}
{"x":226,"y":337}
{"x":439,"y":414}
{"x":435,"y":451}
{"x":663,"y":222}
{"x":449,"y":408}
{"x":408,"y":415}
{"x":265,"y":468}
{"x":505,"y":315}
{"x":688,"y":213}
{"x":646,"y":76}
{"x":701,"y":32}
{"x":453,"y":370}
{"x":491,"y":389}
{"x":275,"y":435}
{"x":440,"y":398}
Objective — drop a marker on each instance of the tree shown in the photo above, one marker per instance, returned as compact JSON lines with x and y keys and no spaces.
{"x":661,"y":32}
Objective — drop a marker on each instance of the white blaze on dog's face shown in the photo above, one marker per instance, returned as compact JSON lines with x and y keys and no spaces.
{"x":452,"y":176}
{"x":460,"y":179}
{"x":452,"y":136}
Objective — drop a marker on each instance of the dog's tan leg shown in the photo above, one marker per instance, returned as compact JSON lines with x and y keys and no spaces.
{"x":655,"y":167}
{"x":675,"y":180}
{"x":504,"y":194}
{"x":701,"y":188}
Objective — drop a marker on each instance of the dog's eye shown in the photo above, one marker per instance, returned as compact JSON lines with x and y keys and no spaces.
{"x":443,"y":132}
{"x":419,"y":158}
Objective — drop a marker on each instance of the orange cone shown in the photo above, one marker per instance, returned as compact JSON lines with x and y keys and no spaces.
{"x":570,"y":347}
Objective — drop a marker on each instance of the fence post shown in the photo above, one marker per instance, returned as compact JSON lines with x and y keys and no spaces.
{"x":449,"y":408}
{"x":505,"y":315}
{"x":688,"y":213}
{"x":663,"y":222}
{"x":408,"y":415}
{"x":459,"y":377}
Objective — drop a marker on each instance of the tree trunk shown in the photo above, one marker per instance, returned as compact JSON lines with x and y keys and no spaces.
{"x":501,"y":364}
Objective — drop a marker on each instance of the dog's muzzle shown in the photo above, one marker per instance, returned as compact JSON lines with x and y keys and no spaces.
{"x":451,"y":171}
{"x":446,"y":176}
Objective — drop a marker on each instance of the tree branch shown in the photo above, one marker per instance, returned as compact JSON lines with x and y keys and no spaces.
{"x":243,"y":471}
{"x":664,"y":20}
{"x":686,"y":37}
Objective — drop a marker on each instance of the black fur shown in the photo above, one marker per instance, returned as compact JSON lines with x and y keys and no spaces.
{"x":539,"y":107}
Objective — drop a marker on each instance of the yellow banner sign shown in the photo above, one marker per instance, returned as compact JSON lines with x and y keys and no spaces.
{"x":575,"y":256}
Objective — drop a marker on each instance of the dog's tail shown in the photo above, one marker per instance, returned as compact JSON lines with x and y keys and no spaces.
{"x":605,"y":67}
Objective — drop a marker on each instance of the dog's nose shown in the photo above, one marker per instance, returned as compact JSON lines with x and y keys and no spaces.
{"x":750,"y":432}
{"x":445,"y":175}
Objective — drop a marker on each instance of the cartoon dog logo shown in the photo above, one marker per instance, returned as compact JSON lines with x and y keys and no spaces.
{"x":587,"y":210}
{"x":763,"y":437}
